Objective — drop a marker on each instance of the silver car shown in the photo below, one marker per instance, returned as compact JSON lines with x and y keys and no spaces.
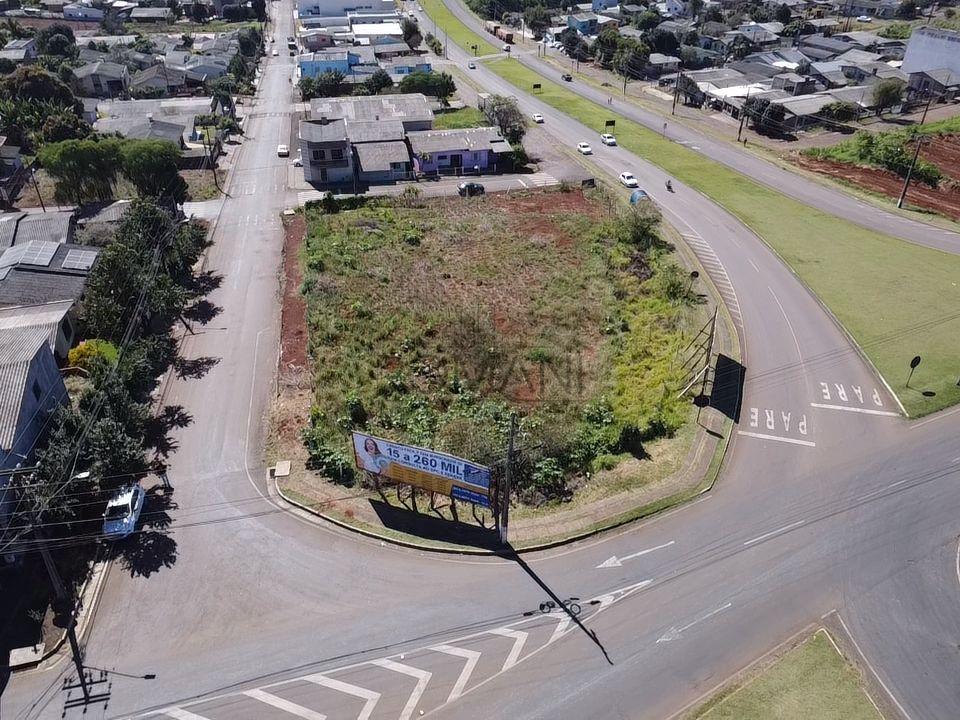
{"x":123,"y":511}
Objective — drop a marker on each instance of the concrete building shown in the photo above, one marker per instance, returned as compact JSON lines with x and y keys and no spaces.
{"x":332,"y":8}
{"x":437,"y":152}
{"x":932,"y":49}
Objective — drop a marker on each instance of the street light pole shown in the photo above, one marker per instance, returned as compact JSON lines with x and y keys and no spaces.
{"x":906,"y":181}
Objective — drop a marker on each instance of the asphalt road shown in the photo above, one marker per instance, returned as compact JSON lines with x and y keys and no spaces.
{"x":261,"y":613}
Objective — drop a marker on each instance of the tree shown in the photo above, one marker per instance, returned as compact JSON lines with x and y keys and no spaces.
{"x":606,"y":45}
{"x":886,"y":94}
{"x":259,"y":8}
{"x":44,"y":36}
{"x":411,"y":33}
{"x":783,"y":14}
{"x":329,"y":83}
{"x":840,"y":111}
{"x":379,"y":80}
{"x":772,"y":121}
{"x":692,"y":95}
{"x":570,"y":39}
{"x":661,"y":41}
{"x":907,"y":9}
{"x":439,"y":85}
{"x":695,"y":7}
{"x":198,"y":12}
{"x":33,"y":83}
{"x":64,"y":125}
{"x":631,"y":59}
{"x":175,"y":8}
{"x":308,"y":88}
{"x":506,"y":114}
{"x":152,"y":167}
{"x":754,"y":108}
{"x":7,"y":66}
{"x":83,"y":169}
{"x":648,"y":19}
{"x":61,"y":46}
{"x":537,"y":18}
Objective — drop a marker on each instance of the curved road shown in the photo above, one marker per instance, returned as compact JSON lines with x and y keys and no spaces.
{"x":261,"y":613}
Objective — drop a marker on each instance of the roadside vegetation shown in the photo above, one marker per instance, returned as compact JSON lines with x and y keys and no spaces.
{"x":467,"y":117}
{"x":431,"y":322}
{"x":812,"y":680}
{"x":454,"y":30}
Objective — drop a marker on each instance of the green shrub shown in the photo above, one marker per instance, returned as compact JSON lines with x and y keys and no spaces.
{"x":87,"y":353}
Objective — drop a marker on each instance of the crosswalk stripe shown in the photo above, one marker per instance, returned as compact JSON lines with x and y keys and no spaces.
{"x":423,"y":677}
{"x":519,"y":638}
{"x":181,"y":714}
{"x":471,"y":656}
{"x":288,"y":707}
{"x":370,"y":696}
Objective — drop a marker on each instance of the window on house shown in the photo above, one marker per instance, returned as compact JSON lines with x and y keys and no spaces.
{"x":319,"y":155}
{"x":337,"y":154}
{"x":441,"y":157}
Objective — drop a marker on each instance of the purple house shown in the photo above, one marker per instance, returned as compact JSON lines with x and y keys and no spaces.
{"x":452,"y":152}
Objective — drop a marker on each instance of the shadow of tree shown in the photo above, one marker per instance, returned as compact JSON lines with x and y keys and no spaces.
{"x":157,"y":433}
{"x":205,"y":283}
{"x":202,"y":311}
{"x":195,"y":368}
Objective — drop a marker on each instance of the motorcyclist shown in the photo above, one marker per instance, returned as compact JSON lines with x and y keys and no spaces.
{"x":669,"y":186}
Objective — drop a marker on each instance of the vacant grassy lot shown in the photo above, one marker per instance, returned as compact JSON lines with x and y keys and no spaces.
{"x":431,"y":322}
{"x":812,"y":681}
{"x":467,"y":117}
{"x":456,"y":31}
{"x":896,"y":299}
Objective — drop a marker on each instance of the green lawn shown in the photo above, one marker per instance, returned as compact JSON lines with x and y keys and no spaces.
{"x":468,"y":117}
{"x":896,"y":299}
{"x":811,"y":681}
{"x":457,"y":32}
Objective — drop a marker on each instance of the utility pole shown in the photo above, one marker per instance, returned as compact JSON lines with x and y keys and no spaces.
{"x":505,"y":494}
{"x":676,"y":92}
{"x":913,"y":164}
{"x":923,"y":119}
{"x":743,"y":115}
{"x":33,"y":176}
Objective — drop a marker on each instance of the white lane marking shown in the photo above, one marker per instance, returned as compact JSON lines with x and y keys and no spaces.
{"x":865,"y":411}
{"x":422,"y":676}
{"x":180,"y":714}
{"x":610,"y":598}
{"x":563,"y":624}
{"x":519,"y":638}
{"x":784,"y":313}
{"x":521,"y":182}
{"x":288,"y":707}
{"x":753,"y":265}
{"x":371,"y":697}
{"x":674,"y":632}
{"x":955,"y":460}
{"x":618,"y":561}
{"x":770,"y":534}
{"x":763,"y":436}
{"x":872,"y":669}
{"x":958,"y":561}
{"x":471,"y":656}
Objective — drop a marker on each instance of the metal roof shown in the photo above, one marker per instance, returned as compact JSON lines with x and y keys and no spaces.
{"x":482,"y":138}
{"x":316,"y":132}
{"x":18,"y":347}
{"x":26,"y":283}
{"x":376,"y":156}
{"x":406,"y":108}
{"x":46,"y":316}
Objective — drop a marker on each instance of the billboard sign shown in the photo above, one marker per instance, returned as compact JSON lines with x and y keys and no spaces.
{"x":433,"y":471}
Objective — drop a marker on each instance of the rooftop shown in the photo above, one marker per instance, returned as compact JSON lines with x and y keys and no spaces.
{"x":374,"y":156}
{"x":408,"y":108}
{"x":482,"y":138}
{"x":42,"y":271}
{"x":18,"y":347}
{"x":316,"y":131}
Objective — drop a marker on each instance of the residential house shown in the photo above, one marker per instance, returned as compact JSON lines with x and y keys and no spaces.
{"x":122,"y":116}
{"x":882,"y":9}
{"x":313,"y":40}
{"x":13,"y":174}
{"x":932,"y":49}
{"x":583,"y":23}
{"x":155,"y":15}
{"x":829,"y":74}
{"x":793,"y":84}
{"x":54,"y":6}
{"x":677,"y":27}
{"x":631,"y":11}
{"x":658,"y":64}
{"x":42,"y":271}
{"x":89,"y":109}
{"x":83,"y":11}
{"x":387,"y":48}
{"x":58,"y":319}
{"x":101,"y":79}
{"x":412,"y":110}
{"x":598,"y":5}
{"x":713,"y":37}
{"x":19,"y":228}
{"x":398,"y":67}
{"x":671,"y":8}
{"x":820,"y":47}
{"x":942,"y":84}
{"x":158,"y":80}
{"x":872,"y":72}
{"x":438,"y":152}
{"x":20,"y":52}
{"x":325,"y":152}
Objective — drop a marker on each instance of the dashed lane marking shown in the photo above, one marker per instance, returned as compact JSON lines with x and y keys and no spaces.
{"x":371,"y":697}
{"x":519,"y":638}
{"x":845,"y":408}
{"x":472,"y":657}
{"x":778,"y":531}
{"x":422,"y":676}
{"x":777,"y":438}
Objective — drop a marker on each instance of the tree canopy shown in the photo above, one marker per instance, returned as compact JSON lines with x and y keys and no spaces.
{"x":504,"y":112}
{"x":439,"y":85}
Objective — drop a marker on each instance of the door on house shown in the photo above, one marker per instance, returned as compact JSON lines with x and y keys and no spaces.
{"x":323,"y":175}
{"x":456,"y":161}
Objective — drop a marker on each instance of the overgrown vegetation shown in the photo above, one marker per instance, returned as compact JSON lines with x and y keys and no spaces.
{"x":890,"y":150}
{"x":466,"y":117}
{"x":432,"y":322}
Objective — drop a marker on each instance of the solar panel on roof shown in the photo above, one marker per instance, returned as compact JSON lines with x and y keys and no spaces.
{"x":12,"y":255}
{"x":39,"y":252}
{"x":79,"y":259}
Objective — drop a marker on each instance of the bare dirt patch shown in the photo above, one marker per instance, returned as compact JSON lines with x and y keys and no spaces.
{"x":943,"y":151}
{"x":293,"y":318}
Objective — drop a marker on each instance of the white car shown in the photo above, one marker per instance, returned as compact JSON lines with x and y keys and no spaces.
{"x":537,"y":118}
{"x":283,"y":151}
{"x":584,"y":148}
{"x":628,"y":180}
{"x":276,"y":52}
{"x":472,"y":65}
{"x":864,"y":18}
{"x":123,"y":510}
{"x":608,"y":139}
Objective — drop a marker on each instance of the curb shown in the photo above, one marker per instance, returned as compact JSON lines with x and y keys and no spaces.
{"x":89,"y":599}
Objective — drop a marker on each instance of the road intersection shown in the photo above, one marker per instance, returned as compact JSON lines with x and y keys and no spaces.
{"x":827,"y":504}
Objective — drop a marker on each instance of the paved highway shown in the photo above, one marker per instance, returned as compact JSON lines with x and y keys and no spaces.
{"x":829,"y":501}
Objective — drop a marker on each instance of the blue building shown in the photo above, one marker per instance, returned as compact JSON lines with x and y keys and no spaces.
{"x":583,"y":23}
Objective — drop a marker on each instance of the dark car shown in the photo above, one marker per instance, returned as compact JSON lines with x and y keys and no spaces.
{"x":469,"y":189}
{"x":568,"y":77}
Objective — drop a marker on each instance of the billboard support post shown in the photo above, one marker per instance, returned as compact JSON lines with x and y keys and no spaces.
{"x":505,"y":495}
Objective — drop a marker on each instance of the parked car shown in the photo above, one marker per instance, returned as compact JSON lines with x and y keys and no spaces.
{"x":537,"y":118}
{"x":469,"y":189}
{"x":864,"y":18}
{"x":584,"y":148}
{"x":608,"y":139}
{"x":628,"y":180}
{"x":283,"y":150}
{"x":472,"y":65}
{"x":276,"y":52}
{"x":567,"y":77}
{"x":123,"y":511}
{"x":506,"y":48}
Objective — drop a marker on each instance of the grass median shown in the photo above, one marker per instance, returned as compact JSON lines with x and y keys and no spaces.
{"x":445,"y":22}
{"x":896,"y":299}
{"x":811,"y":681}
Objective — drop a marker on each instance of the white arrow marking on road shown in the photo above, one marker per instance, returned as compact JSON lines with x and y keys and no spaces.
{"x":619,"y":594}
{"x":370,"y":696}
{"x":617,"y":562}
{"x":562,"y":625}
{"x":423,"y":677}
{"x":675,"y":632}
{"x":519,"y":638}
{"x":285,"y":705}
{"x":472,"y":657}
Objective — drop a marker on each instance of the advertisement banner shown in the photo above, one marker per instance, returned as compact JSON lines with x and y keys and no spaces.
{"x":433,"y":471}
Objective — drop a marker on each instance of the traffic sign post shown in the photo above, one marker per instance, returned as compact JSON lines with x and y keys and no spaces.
{"x":913,"y":366}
